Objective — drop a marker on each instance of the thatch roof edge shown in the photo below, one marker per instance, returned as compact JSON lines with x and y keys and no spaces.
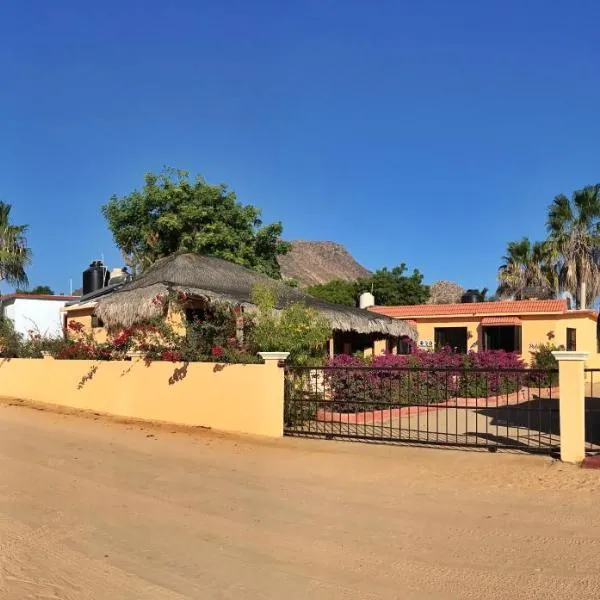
{"x":123,"y":308}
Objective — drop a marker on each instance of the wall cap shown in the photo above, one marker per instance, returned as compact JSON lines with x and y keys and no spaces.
{"x":566,"y":355}
{"x":273,"y":355}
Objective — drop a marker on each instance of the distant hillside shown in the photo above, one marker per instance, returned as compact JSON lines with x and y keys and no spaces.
{"x":319,"y":262}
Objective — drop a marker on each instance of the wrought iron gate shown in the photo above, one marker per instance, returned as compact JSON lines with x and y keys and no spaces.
{"x":515,"y":409}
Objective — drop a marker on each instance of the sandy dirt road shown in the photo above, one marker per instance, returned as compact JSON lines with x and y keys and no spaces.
{"x":90,"y":508}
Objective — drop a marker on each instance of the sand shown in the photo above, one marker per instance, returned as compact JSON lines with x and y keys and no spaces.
{"x":93,"y":508}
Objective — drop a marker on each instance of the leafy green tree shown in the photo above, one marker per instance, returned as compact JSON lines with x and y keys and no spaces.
{"x":393,"y":287}
{"x":337,"y":291}
{"x":40,"y":290}
{"x":175,"y":213}
{"x":15,"y":255}
{"x":390,"y":287}
{"x":574,"y":235}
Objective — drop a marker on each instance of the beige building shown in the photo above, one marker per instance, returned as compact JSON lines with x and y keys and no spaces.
{"x":515,"y":326}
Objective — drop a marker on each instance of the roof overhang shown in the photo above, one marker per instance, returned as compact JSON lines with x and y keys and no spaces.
{"x":500,"y":321}
{"x":78,"y":307}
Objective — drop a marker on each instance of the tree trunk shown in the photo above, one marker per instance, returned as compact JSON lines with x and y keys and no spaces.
{"x":582,"y":295}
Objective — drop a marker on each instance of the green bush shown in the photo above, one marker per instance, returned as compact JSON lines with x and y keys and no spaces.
{"x":296,"y":329}
{"x":544,"y":360}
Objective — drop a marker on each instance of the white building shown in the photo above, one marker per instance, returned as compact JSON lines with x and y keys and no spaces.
{"x":39,"y":314}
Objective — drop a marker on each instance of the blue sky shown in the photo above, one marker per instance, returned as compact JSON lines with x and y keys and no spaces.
{"x":425,"y":132}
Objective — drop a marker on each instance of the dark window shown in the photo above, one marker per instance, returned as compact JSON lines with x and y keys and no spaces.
{"x":571,"y":339}
{"x":502,"y":337}
{"x":451,"y":337}
{"x":194,"y":314}
{"x":405,"y":345}
{"x":97,"y":321}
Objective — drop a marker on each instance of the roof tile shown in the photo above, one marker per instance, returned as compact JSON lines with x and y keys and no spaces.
{"x":511,"y":307}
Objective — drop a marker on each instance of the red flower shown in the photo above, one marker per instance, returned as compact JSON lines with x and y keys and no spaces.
{"x":157,"y":300}
{"x":171,"y":355}
{"x":216,"y":351}
{"x":122,"y":339}
{"x":75,"y":326}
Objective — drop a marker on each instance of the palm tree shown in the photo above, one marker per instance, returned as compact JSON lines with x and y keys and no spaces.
{"x":527,"y":264}
{"x":574,"y":234}
{"x":14,"y":253}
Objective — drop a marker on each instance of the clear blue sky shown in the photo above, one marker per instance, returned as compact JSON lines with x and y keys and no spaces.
{"x":426,"y":132}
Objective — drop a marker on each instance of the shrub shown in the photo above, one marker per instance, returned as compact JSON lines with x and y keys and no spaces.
{"x":488,"y":378}
{"x":543,"y":360}
{"x":296,"y":329}
{"x":10,"y":340}
{"x":420,"y":378}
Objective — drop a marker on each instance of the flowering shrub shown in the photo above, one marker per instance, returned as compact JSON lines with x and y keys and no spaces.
{"x":213,"y":339}
{"x":33,"y":345}
{"x":420,"y":378}
{"x":491,"y":373}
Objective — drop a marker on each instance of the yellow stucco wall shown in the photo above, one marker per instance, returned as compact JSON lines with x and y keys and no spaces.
{"x":174,"y":317}
{"x":84,"y":316}
{"x":237,"y":398}
{"x":535,"y":330}
{"x":426,"y":331}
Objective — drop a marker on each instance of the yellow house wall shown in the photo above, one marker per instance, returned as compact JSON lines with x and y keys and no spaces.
{"x":84,"y":316}
{"x":238,"y":398}
{"x":535,"y":330}
{"x":426,"y":331}
{"x":585,"y":325}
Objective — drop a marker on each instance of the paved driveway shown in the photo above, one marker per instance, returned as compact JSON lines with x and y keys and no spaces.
{"x":97,"y":509}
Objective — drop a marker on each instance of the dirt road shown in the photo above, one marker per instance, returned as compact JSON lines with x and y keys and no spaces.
{"x":102,"y":510}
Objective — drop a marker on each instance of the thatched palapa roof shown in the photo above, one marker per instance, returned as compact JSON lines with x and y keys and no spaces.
{"x":216,"y":280}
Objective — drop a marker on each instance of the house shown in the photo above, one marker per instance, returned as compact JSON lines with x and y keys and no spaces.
{"x":515,"y":326}
{"x":35,"y":313}
{"x":206,"y":280}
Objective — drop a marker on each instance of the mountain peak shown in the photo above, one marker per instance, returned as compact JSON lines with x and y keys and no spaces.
{"x":313,"y":262}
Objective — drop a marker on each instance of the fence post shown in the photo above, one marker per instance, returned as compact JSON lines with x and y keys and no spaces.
{"x":571,"y":382}
{"x":275,"y":390}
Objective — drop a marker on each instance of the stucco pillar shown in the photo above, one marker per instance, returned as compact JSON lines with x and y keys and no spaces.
{"x":274,"y":392}
{"x":571,"y":381}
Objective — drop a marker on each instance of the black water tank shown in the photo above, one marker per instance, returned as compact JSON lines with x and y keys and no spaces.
{"x":95,"y":277}
{"x":470,"y":296}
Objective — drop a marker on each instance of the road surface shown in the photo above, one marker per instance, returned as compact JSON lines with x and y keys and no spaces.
{"x":92,"y":508}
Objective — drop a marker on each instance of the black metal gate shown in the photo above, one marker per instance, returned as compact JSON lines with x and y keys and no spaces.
{"x":508,"y":408}
{"x":592,"y":411}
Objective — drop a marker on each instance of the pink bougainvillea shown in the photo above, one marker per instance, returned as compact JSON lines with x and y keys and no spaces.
{"x":421,"y":377}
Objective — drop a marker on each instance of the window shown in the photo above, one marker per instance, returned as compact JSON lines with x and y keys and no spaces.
{"x":451,"y":337}
{"x":571,"y":339}
{"x":405,"y":345}
{"x":502,"y":337}
{"x":97,"y":322}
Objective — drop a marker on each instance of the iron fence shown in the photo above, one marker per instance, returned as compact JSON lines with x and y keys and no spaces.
{"x":592,"y":411}
{"x":507,"y":408}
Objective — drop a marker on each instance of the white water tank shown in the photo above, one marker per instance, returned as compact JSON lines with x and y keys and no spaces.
{"x":119,"y":276}
{"x":366,"y":299}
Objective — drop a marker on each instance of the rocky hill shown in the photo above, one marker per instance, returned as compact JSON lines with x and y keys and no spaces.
{"x":310,"y":263}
